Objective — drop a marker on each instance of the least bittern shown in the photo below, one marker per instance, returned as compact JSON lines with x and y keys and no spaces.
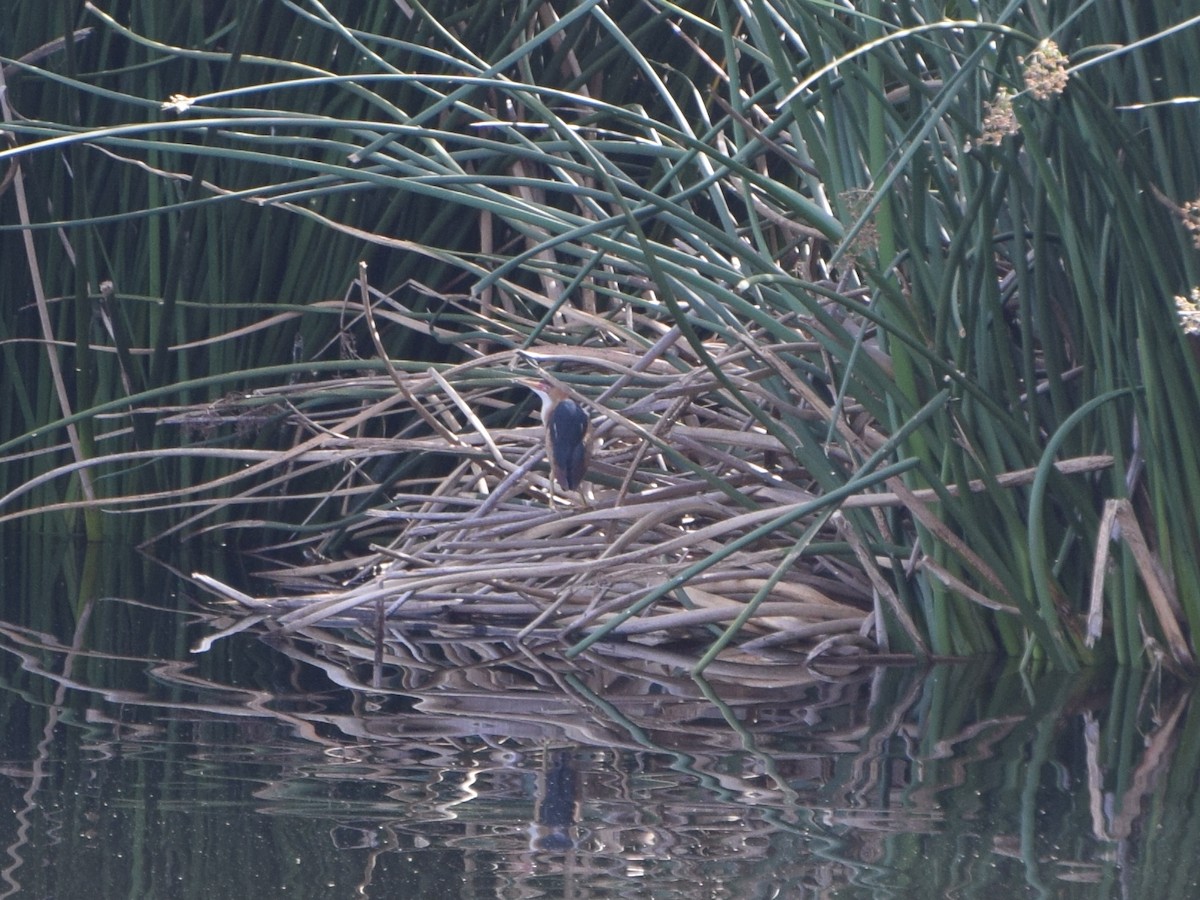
{"x":566,"y":426}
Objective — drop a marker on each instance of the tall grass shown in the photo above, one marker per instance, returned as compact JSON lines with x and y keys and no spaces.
{"x":923,"y":252}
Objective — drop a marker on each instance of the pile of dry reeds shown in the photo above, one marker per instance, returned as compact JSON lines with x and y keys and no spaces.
{"x":694,"y":515}
{"x":697,"y":520}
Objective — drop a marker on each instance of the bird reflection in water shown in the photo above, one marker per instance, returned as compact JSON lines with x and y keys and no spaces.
{"x":557,"y":807}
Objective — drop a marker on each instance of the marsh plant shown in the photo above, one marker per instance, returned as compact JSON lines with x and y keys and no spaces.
{"x":882,"y":311}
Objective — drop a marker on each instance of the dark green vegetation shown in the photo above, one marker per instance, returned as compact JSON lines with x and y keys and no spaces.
{"x":884,"y":300}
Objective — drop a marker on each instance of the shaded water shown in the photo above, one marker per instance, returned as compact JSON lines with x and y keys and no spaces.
{"x":466,"y":765}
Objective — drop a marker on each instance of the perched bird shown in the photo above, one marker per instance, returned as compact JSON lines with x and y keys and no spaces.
{"x":566,"y":426}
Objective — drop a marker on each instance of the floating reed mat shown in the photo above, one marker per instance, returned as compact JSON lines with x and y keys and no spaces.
{"x":696,"y":521}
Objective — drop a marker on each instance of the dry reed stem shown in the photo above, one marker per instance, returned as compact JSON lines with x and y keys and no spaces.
{"x":1119,"y":517}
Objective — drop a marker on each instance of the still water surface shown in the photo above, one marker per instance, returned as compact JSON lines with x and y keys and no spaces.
{"x":464,"y":764}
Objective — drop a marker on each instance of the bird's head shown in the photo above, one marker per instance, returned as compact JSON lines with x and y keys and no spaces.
{"x":550,"y":392}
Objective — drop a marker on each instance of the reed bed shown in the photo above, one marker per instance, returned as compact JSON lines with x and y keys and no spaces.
{"x":884,"y":314}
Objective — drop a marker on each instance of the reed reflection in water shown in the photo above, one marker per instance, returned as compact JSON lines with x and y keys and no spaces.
{"x":464,"y":766}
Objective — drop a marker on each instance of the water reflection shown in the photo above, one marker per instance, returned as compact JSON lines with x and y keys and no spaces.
{"x":456,"y":764}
